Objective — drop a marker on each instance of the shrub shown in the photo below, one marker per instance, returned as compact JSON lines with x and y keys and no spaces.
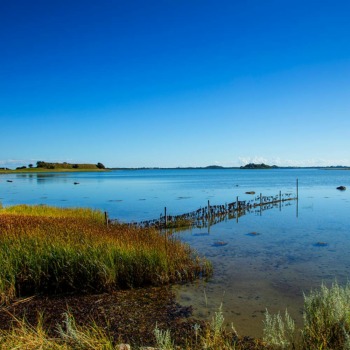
{"x":326,"y":322}
{"x":279,"y":332}
{"x":327,"y":318}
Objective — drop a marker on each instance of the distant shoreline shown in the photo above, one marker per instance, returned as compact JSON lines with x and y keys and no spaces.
{"x":45,"y":167}
{"x":234,"y":168}
{"x":35,"y":170}
{"x":41,"y":170}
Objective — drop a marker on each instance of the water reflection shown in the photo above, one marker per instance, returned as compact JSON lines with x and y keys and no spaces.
{"x":50,"y":177}
{"x":270,"y":260}
{"x":41,"y":177}
{"x":214,"y":214}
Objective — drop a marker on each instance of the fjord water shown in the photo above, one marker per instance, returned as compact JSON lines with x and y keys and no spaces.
{"x":266,"y":259}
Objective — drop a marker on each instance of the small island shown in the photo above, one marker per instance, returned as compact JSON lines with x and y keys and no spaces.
{"x":258,"y":166}
{"x":42,"y":166}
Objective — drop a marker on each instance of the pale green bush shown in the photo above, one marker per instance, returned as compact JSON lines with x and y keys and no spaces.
{"x":279,"y":332}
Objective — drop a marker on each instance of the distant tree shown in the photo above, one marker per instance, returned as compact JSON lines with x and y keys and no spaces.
{"x":30,"y":165}
{"x":40,"y":164}
{"x":100,"y":166}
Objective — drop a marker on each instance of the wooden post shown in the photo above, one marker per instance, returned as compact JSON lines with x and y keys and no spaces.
{"x":260,"y":204}
{"x":106,"y":218}
{"x":208,"y":209}
{"x":297,"y":207}
{"x":297,"y":189}
{"x":237,"y":209}
{"x":297,"y":198}
{"x":280,"y":200}
{"x":165,"y":218}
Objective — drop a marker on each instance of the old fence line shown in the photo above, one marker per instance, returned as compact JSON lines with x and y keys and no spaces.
{"x":213,"y":214}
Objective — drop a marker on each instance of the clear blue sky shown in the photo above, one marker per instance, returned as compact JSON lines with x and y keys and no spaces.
{"x":175,"y":82}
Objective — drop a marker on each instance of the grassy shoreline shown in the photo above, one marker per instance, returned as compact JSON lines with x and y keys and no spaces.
{"x":57,"y":250}
{"x":154,"y":319}
{"x":67,"y":281}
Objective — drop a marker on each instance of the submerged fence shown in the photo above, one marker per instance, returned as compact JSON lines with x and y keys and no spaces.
{"x":213,"y":214}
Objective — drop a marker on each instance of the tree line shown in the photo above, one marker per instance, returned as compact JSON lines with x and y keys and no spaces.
{"x":49,"y":165}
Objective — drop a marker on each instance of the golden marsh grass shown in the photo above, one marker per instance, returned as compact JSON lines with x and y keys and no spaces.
{"x":53,"y":251}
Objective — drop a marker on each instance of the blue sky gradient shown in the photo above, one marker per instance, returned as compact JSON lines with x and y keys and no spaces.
{"x":175,"y":83}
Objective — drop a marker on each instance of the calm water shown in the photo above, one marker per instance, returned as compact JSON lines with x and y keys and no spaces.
{"x":270,"y":269}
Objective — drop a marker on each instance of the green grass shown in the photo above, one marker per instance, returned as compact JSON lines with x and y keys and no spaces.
{"x":327,"y":318}
{"x":53,"y":250}
{"x":326,"y":322}
{"x":54,"y":212}
{"x":69,"y":337}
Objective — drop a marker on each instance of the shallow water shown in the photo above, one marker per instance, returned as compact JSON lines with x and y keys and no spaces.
{"x":269,"y":258}
{"x":269,"y":261}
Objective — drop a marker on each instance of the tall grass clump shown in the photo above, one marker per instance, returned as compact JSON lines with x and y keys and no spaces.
{"x":279,"y":332}
{"x":216,"y":336}
{"x":54,"y":212}
{"x":59,"y":254}
{"x":70,"y":336}
{"x":327,"y":318}
{"x":163,"y":339}
{"x":83,"y":337}
{"x":326,"y":323}
{"x":24,"y":336}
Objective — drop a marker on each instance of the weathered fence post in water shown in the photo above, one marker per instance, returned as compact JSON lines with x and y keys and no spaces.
{"x":280,"y":200}
{"x":297,"y":198}
{"x":106,"y":218}
{"x":297,"y":189}
{"x":207,"y":216}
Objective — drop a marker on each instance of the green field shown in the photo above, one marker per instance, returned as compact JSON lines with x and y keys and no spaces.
{"x":42,"y":166}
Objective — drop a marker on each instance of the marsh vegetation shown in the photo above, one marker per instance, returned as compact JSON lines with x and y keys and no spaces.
{"x":55,"y":250}
{"x":326,"y":326}
{"x":49,"y":252}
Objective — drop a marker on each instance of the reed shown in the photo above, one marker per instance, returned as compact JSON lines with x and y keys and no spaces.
{"x":53,"y":251}
{"x":69,"y":336}
{"x":53,"y":212}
